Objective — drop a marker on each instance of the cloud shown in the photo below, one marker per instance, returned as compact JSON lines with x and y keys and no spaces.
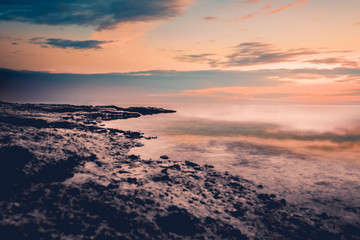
{"x":341,"y":74}
{"x":251,"y":15}
{"x":45,"y":86}
{"x":267,"y":6}
{"x":330,"y":92}
{"x":254,"y":53}
{"x":258,"y":53}
{"x":272,"y":95}
{"x":199,"y":58}
{"x":98,"y":14}
{"x":284,"y":7}
{"x":352,"y":92}
{"x":267,"y":85}
{"x":266,"y":9}
{"x":210,"y":18}
{"x":252,"y":1}
{"x":341,"y":61}
{"x":65,"y":43}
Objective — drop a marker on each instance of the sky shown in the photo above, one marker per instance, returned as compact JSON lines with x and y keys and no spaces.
{"x":239,"y":51}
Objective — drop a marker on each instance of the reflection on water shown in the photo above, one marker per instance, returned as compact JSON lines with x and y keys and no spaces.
{"x":307,"y":154}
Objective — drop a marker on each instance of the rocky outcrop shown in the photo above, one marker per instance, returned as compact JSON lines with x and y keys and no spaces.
{"x":78,"y":181}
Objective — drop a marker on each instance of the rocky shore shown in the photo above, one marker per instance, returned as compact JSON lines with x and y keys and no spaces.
{"x":65,"y":176}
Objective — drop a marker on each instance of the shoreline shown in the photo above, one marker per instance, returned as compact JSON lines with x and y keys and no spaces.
{"x":65,"y":176}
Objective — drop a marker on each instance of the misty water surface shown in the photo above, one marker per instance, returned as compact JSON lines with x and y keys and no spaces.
{"x":306,"y":154}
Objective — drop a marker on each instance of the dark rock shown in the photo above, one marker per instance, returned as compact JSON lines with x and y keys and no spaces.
{"x":264,"y":197}
{"x":351,"y":231}
{"x":148,"y":110}
{"x":60,"y":171}
{"x":238,"y":213}
{"x":179,"y":221}
{"x":12,"y":176}
{"x":175,"y":167}
{"x":194,"y":165}
{"x":162,"y":178}
{"x":134,"y":157}
{"x":191,"y":164}
{"x":132,"y":180}
{"x":238,"y":205}
{"x":324,"y":216}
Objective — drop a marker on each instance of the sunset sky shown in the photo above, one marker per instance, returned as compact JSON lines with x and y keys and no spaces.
{"x":288,"y":51}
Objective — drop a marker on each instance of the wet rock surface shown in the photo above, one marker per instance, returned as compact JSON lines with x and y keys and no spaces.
{"x":67,"y":179}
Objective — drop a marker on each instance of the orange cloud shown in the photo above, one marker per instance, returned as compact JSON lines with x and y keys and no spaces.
{"x":252,"y":1}
{"x":338,"y":92}
{"x":334,"y":60}
{"x":267,"y":6}
{"x":251,"y":15}
{"x":264,"y":9}
{"x":289,"y":6}
{"x":210,"y":18}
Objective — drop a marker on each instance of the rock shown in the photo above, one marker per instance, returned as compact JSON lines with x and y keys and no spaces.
{"x":179,"y":221}
{"x":134,"y":157}
{"x":191,"y":164}
{"x":162,"y":178}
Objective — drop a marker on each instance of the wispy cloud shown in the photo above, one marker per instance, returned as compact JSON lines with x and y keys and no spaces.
{"x":332,"y":92}
{"x":351,"y":92}
{"x":199,"y":58}
{"x":254,"y":53}
{"x":272,"y":95}
{"x":65,"y":43}
{"x":252,"y":1}
{"x":284,"y":7}
{"x":98,"y":14}
{"x":334,"y":60}
{"x":267,"y":6}
{"x":209,"y":18}
{"x":314,"y":75}
{"x":268,"y":9}
{"x":251,"y":15}
{"x":248,"y":54}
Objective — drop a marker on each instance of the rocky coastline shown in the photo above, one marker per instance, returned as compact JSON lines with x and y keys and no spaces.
{"x":65,"y":176}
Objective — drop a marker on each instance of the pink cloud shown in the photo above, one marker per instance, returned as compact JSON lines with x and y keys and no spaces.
{"x":209,"y":18}
{"x":251,"y":15}
{"x":315,"y":93}
{"x":334,"y":60}
{"x":252,"y":1}
{"x":266,"y":9}
{"x":284,"y":7}
{"x":267,"y":6}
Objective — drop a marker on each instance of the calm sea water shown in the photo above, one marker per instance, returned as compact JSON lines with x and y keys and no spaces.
{"x":309,"y":155}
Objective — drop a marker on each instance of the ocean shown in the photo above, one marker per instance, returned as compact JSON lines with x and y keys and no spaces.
{"x":307,"y":154}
